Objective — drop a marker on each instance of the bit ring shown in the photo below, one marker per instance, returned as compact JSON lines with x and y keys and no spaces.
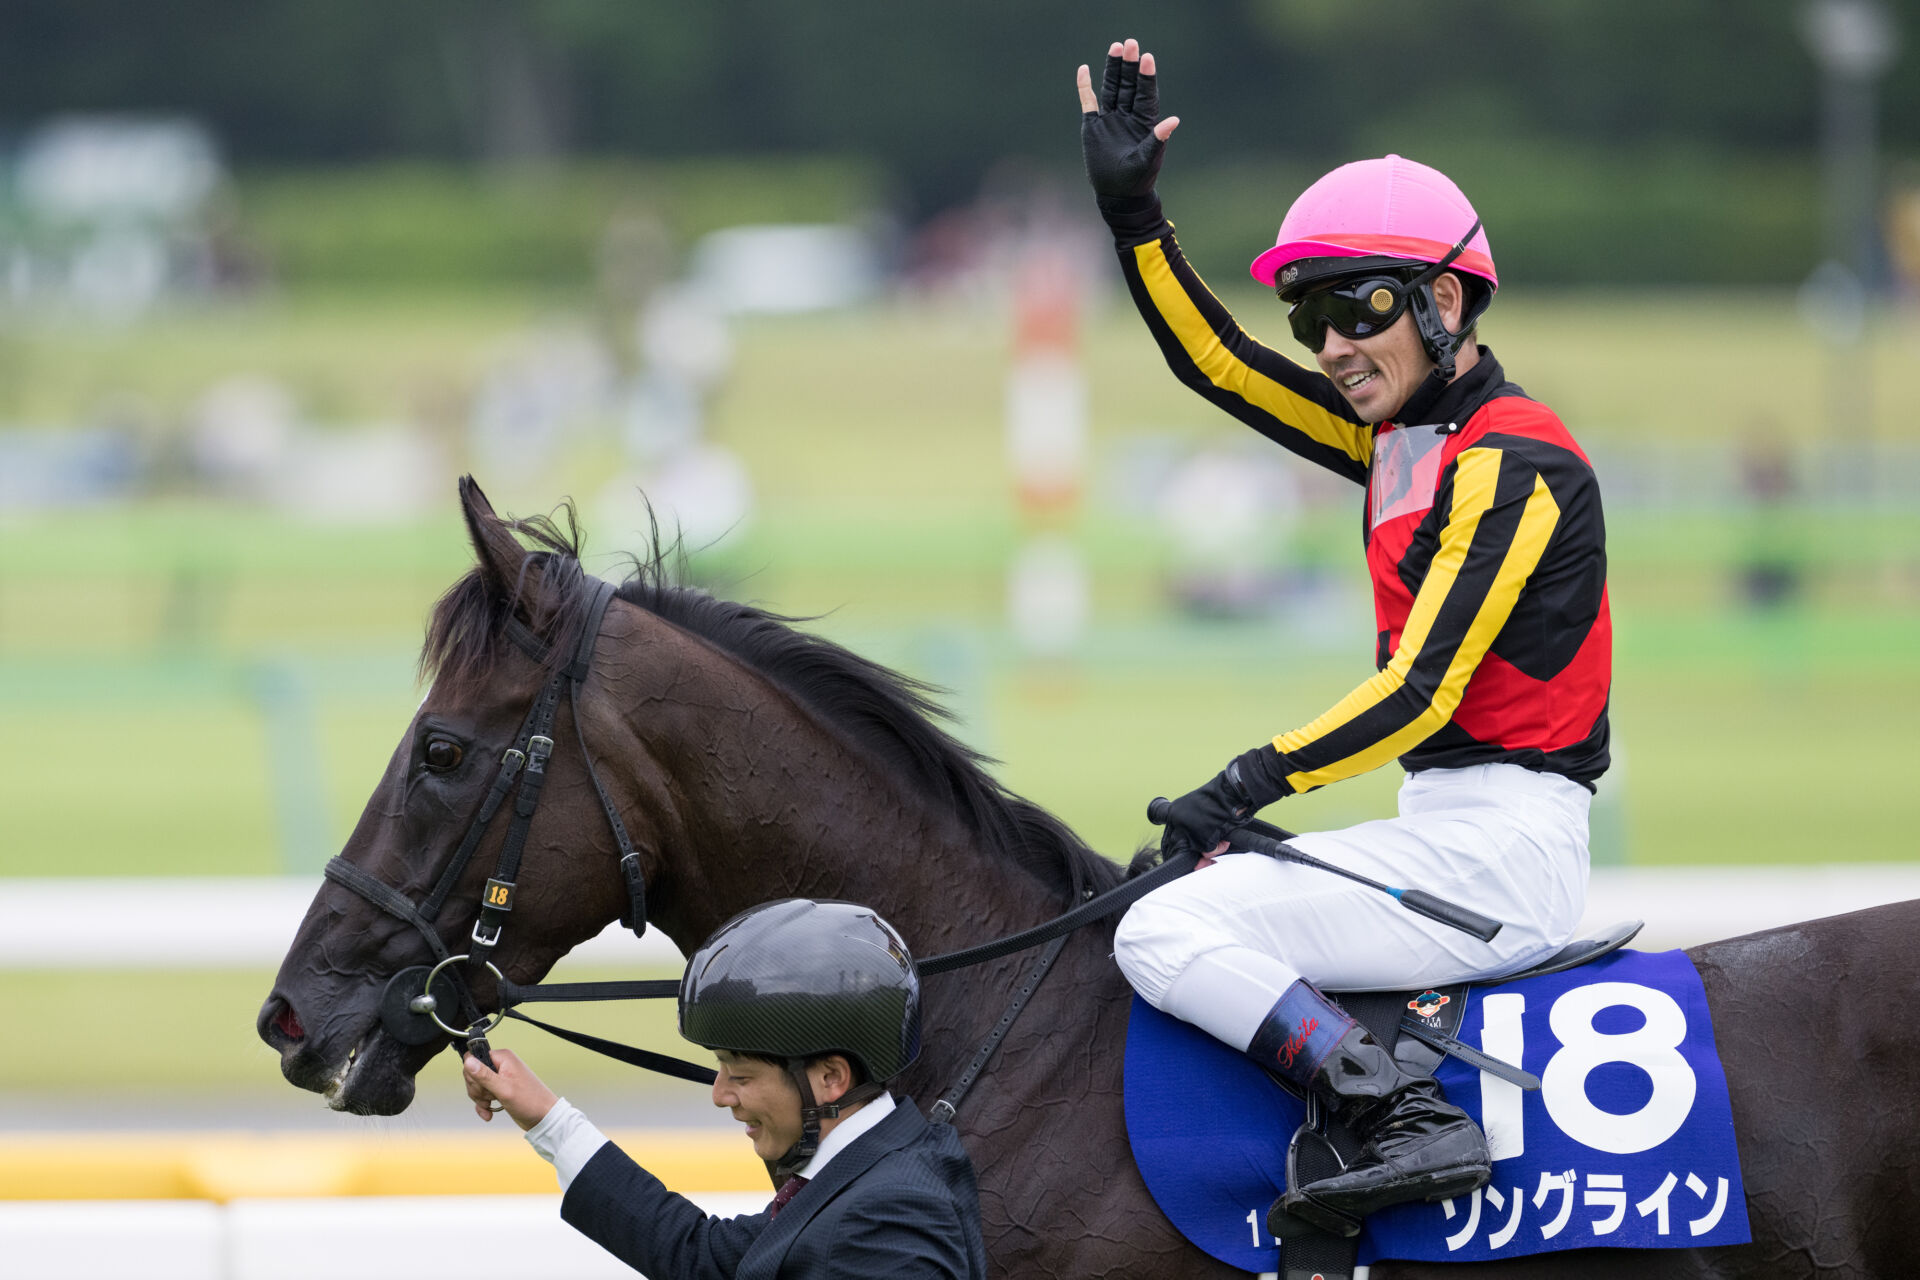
{"x":477,"y":1029}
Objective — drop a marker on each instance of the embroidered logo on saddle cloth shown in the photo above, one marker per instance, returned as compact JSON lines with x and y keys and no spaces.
{"x":1628,"y":1143}
{"x":1428,"y":1004}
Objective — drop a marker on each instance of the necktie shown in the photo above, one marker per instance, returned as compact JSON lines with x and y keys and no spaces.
{"x":788,"y":1190}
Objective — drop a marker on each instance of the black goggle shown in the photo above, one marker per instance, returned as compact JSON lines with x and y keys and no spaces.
{"x":1358,"y":308}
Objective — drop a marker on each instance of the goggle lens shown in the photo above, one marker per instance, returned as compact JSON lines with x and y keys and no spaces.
{"x":1357,"y":308}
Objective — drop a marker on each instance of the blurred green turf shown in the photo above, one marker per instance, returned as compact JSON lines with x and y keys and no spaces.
{"x":1739,"y":737}
{"x":166,"y":666}
{"x":408,"y":226}
{"x":348,"y":359}
{"x":886,"y":401}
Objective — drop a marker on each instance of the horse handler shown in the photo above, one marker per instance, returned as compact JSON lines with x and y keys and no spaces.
{"x":1487,"y":550}
{"x":810,"y":1007}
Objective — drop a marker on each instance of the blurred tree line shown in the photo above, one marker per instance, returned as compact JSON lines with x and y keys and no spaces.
{"x":1612,"y":140}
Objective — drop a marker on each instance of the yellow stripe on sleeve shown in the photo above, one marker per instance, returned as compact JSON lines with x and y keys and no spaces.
{"x":1233,"y":375}
{"x":1475,"y":479}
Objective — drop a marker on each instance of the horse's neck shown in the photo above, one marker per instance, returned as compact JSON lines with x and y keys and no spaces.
{"x":771,"y":803}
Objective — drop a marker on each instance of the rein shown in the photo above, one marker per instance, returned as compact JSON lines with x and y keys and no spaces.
{"x":1053,"y":932}
{"x":415,"y":997}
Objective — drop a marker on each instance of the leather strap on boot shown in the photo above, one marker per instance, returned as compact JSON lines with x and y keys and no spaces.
{"x":1299,"y":1034}
{"x":1358,"y":1075}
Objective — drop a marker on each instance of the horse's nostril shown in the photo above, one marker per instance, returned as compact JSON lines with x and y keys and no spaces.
{"x":288,"y":1023}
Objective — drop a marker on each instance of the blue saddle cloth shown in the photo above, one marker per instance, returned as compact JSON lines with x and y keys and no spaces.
{"x":1628,"y":1143}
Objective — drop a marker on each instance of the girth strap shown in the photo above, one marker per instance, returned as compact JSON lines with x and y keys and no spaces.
{"x":942,"y":1111}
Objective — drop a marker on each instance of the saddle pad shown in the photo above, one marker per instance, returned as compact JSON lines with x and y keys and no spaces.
{"x":1628,"y":1143}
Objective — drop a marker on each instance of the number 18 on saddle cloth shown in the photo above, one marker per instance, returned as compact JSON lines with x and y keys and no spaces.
{"x":1628,"y":1142}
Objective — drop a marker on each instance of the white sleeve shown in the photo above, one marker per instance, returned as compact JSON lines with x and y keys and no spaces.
{"x":566,"y":1139}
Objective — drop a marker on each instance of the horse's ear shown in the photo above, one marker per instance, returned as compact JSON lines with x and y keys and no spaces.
{"x":498,"y":551}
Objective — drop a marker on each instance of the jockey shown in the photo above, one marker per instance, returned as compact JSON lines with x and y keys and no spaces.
{"x":1485,"y":542}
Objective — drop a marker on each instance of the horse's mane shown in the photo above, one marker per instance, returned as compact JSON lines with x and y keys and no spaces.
{"x":891,"y":717}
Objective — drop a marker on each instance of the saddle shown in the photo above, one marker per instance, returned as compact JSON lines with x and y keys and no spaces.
{"x":1418,"y":1027}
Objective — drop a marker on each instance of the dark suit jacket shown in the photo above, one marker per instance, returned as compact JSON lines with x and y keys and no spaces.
{"x":900,"y":1203}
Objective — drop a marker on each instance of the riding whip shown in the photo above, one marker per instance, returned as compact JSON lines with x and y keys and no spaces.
{"x":1251,"y":838}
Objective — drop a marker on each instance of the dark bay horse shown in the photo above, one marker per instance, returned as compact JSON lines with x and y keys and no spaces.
{"x":752,"y":761}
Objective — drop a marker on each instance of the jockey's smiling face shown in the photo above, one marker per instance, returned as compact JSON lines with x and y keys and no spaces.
{"x":1378,"y":374}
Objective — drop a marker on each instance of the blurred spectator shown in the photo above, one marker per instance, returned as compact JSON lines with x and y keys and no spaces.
{"x":1770,"y":572}
{"x":59,"y":467}
{"x":112,"y":213}
{"x":785,"y":269}
{"x":551,"y":383}
{"x":1229,"y":514}
{"x":241,"y":435}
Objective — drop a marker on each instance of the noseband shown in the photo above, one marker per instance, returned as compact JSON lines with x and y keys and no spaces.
{"x":410,"y":1006}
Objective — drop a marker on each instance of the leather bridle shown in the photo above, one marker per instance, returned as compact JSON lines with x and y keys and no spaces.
{"x":414,"y":998}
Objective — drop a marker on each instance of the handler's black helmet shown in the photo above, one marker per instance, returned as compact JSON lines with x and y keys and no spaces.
{"x":796,"y":978}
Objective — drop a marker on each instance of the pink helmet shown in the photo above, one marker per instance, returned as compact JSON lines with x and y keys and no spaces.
{"x":1391,"y":207}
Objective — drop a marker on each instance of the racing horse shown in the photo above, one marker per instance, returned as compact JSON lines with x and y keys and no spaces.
{"x":750,"y":760}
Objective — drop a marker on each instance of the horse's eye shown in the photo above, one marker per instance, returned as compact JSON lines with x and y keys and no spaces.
{"x":442,"y":754}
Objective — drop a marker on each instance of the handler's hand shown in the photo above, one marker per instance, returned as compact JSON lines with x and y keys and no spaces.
{"x":519,"y":1091}
{"x":1121,"y":134}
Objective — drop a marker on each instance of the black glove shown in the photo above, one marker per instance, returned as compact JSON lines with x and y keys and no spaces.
{"x":1200,"y":819}
{"x":1122,"y":155}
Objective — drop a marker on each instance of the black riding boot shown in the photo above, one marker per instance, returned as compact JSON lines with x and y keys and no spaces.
{"x":1416,"y":1144}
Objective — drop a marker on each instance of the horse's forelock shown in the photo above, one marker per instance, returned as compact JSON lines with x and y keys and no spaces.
{"x":465,"y":632}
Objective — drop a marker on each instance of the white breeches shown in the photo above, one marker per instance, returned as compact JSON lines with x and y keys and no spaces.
{"x":1218,"y":947}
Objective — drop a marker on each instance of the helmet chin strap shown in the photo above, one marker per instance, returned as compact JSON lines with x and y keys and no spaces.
{"x":812,"y":1113}
{"x":1441,"y":343}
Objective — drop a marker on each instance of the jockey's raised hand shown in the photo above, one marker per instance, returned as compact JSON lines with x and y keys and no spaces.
{"x":1122,"y":136}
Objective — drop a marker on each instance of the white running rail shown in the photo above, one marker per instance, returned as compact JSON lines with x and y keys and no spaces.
{"x":210,"y":923}
{"x":368,"y":1238}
